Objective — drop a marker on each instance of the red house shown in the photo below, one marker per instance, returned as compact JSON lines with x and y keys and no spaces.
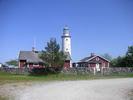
{"x":31,"y":59}
{"x":94,"y":61}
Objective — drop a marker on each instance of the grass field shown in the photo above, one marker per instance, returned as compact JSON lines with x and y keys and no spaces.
{"x":7,"y":78}
{"x":23,"y":79}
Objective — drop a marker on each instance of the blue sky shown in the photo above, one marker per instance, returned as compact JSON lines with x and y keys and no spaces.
{"x":99,"y":26}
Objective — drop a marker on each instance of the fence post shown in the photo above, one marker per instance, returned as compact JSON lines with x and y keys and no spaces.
{"x":102,"y":70}
{"x":94,"y":70}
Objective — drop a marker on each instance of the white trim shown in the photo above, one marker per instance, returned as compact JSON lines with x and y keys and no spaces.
{"x":97,"y":67}
{"x":104,"y":58}
{"x":35,"y":64}
{"x":19,"y":63}
{"x":28,"y":65}
{"x":71,"y":64}
{"x":97,"y":56}
{"x":0,"y":65}
{"x":90,"y":59}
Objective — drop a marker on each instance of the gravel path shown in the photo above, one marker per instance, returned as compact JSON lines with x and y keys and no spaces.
{"x":108,"y":89}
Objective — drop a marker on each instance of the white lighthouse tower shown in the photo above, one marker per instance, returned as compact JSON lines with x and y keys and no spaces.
{"x":66,"y":40}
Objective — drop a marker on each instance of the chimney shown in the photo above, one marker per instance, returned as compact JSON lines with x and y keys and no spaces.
{"x":92,"y":54}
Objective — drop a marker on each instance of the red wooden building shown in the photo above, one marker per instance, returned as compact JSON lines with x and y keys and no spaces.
{"x":94,"y":61}
{"x":31,"y":59}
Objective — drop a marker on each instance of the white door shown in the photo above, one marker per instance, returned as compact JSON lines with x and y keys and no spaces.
{"x":97,"y":67}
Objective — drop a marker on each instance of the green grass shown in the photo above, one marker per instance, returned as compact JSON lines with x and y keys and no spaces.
{"x":7,"y":78}
{"x":3,"y":98}
{"x":12,"y":78}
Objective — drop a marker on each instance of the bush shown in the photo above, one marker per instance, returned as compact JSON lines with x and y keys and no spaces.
{"x":45,"y":71}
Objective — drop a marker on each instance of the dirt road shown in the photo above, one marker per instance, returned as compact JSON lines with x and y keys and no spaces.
{"x":108,"y":89}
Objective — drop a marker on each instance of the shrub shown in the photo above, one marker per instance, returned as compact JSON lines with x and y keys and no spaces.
{"x":45,"y":71}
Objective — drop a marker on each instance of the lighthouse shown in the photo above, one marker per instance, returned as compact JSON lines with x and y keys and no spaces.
{"x":66,"y":40}
{"x":66,"y":46}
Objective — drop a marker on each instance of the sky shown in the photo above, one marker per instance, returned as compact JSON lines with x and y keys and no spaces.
{"x":96,"y":26}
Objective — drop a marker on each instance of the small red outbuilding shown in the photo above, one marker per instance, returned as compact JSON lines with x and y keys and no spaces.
{"x":94,"y":61}
{"x":31,"y":59}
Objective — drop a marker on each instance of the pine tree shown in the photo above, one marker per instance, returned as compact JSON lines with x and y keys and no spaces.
{"x":52,"y":56}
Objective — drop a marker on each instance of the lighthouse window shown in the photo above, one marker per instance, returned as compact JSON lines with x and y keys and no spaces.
{"x":66,"y":49}
{"x":66,"y":39}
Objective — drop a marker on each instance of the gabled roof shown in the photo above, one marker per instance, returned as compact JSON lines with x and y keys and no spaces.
{"x":30,"y":56}
{"x":86,"y":59}
{"x":34,"y":56}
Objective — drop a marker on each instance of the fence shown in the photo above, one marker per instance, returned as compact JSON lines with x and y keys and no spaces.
{"x":15,"y":70}
{"x":81,"y":70}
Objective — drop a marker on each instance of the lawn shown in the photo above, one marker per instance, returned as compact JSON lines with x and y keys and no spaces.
{"x":7,"y":78}
{"x":13,"y":78}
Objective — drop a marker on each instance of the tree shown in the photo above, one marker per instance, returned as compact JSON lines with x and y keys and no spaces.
{"x":12,"y":62}
{"x":52,"y":56}
{"x":125,"y":61}
{"x":118,"y":62}
{"x":129,"y":57}
{"x":130,"y":51}
{"x":113,"y":62}
{"x":107,"y":56}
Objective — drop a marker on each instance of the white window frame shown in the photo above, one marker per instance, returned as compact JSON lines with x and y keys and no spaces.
{"x":35,"y":64}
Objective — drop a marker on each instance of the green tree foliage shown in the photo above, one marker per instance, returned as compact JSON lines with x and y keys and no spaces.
{"x":117,"y":62}
{"x":125,"y":61}
{"x":130,"y":51}
{"x":12,"y":62}
{"x":52,"y":56}
{"x":107,"y":56}
{"x":129,"y":57}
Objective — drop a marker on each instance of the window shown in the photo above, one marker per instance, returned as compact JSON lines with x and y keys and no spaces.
{"x":66,"y":39}
{"x":97,"y":59}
